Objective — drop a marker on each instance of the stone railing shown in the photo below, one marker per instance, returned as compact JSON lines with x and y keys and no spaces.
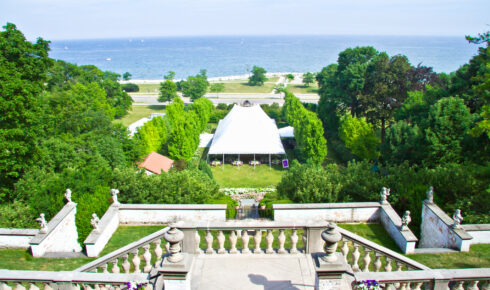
{"x":252,"y":236}
{"x":374,"y":257}
{"x":16,"y":238}
{"x":67,"y":280}
{"x":459,"y":279}
{"x":97,"y":239}
{"x":130,"y":257}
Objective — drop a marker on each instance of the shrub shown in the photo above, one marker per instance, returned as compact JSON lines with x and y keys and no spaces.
{"x":130,"y":88}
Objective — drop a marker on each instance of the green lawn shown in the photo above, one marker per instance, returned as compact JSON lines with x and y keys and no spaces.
{"x":301,"y":89}
{"x":19,"y":259}
{"x":139,"y":112}
{"x":149,"y":88}
{"x":246,"y":176}
{"x":243,"y":87}
{"x":478,"y":257}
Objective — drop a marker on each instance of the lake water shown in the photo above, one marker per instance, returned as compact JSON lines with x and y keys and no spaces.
{"x":151,"y":58}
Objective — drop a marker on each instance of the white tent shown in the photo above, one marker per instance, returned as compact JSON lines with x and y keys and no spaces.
{"x":246,"y":130}
{"x":286,"y":132}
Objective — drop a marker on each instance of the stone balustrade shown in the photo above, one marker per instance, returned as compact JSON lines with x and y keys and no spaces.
{"x":252,"y":236}
{"x":459,"y":279}
{"x":365,"y":256}
{"x":67,"y":280}
{"x":136,"y":257}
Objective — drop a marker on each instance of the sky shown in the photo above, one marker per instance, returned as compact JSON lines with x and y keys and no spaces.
{"x":86,"y":19}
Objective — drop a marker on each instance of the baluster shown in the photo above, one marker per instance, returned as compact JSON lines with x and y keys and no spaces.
{"x":418,"y":286}
{"x":245,"y":240}
{"x":158,"y":251}
{"x":167,"y":247}
{"x":233,"y":240}
{"x":104,"y":268}
{"x":221,"y":243}
{"x":356,"y":255}
{"x":366,"y":259}
{"x":404,"y":286}
{"x":50,"y":286}
{"x":377,"y":262}
{"x":209,"y":242}
{"x":33,"y":286}
{"x":147,"y":257}
{"x":473,"y":285}
{"x":115,"y":267}
{"x":18,"y":286}
{"x":125,"y":265}
{"x":136,"y":261}
{"x":304,"y":242}
{"x":294,"y":242}
{"x":198,"y":243}
{"x":281,"y":238}
{"x":345,"y":248}
{"x":269,"y":239}
{"x":389,"y":286}
{"x":257,"y":239}
{"x":459,"y":285}
{"x":4,"y":286}
{"x":388,"y":267}
{"x":399,"y":265}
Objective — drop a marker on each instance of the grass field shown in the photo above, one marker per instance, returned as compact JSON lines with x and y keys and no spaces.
{"x":300,"y":89}
{"x":243,"y":87}
{"x":149,"y":88}
{"x":478,"y":257}
{"x":139,"y":112}
{"x":19,"y":259}
{"x":246,"y":176}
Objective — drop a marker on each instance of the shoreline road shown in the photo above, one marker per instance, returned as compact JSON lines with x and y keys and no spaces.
{"x":151,"y":99}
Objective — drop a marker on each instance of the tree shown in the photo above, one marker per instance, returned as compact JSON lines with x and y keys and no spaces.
{"x":203,"y":108}
{"x":359,"y":137}
{"x":168,"y":91}
{"x":169,"y":76}
{"x":258,"y":76}
{"x":403,"y":142}
{"x":290,"y":77}
{"x":195,"y":87}
{"x":448,"y":124}
{"x":126,"y":76}
{"x":308,"y":79}
{"x":184,"y":132}
{"x":217,"y":88}
{"x":23,"y":67}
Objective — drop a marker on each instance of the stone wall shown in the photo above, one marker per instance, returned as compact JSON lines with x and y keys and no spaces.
{"x":392,"y":223}
{"x":96,"y":240}
{"x":351,"y":212}
{"x":62,"y":235}
{"x":164,"y":213}
{"x":480,"y":233}
{"x":436,"y":230}
{"x":16,"y":238}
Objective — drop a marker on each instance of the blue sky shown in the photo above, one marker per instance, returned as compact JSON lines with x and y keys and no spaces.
{"x":81,"y":19}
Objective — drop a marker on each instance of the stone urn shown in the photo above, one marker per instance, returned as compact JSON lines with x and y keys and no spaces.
{"x":331,"y":236}
{"x":174,"y":236}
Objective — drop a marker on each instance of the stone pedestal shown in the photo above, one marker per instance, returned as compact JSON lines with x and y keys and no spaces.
{"x":332,"y":275}
{"x":175,"y":276}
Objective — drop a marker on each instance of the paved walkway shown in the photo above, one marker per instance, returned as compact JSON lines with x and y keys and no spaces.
{"x":268,"y":272}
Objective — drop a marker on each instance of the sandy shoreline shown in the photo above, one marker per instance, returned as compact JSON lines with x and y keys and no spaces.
{"x":216,"y":79}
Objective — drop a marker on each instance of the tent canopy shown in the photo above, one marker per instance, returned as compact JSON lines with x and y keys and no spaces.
{"x":246,"y":130}
{"x":286,"y":132}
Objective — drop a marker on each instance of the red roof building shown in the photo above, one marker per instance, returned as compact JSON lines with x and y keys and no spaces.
{"x":155,"y":163}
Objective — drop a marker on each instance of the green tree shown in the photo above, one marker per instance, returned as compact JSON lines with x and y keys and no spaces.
{"x":290,"y":77}
{"x":448,"y":124}
{"x":403,"y":143}
{"x":308,"y":79}
{"x":153,"y":135}
{"x":184,"y":132}
{"x":126,"y":76}
{"x":23,"y":73}
{"x":195,"y":87}
{"x":203,"y":108}
{"x":168,"y":91}
{"x":258,"y":76}
{"x":217,"y":88}
{"x":359,"y":137}
{"x":169,"y":76}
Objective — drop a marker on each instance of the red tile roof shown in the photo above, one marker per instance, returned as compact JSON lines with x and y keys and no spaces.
{"x":155,"y":163}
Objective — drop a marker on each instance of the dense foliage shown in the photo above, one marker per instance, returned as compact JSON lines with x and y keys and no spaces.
{"x":195,"y":86}
{"x":258,"y":76}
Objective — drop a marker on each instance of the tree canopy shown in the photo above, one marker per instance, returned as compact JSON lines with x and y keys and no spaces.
{"x":258,"y":76}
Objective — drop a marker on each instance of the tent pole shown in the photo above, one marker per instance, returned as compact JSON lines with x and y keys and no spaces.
{"x":270,"y":166}
{"x":238,"y":161}
{"x":223,"y":161}
{"x":254,"y":161}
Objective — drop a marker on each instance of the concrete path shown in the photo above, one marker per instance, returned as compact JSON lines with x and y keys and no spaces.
{"x":268,"y":272}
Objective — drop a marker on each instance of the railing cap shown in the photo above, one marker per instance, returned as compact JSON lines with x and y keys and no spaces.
{"x":54,"y":222}
{"x":173,"y":206}
{"x":325,"y":205}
